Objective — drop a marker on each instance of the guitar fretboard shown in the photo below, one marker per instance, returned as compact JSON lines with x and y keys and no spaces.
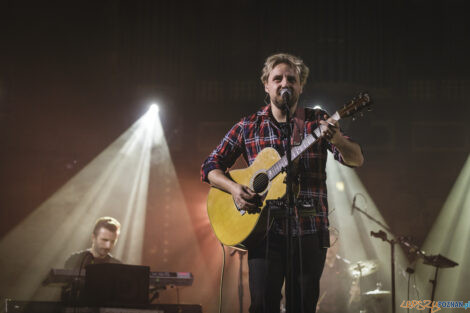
{"x":309,"y":140}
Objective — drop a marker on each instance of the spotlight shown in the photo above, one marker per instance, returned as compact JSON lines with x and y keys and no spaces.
{"x":154,"y":108}
{"x":317,"y":107}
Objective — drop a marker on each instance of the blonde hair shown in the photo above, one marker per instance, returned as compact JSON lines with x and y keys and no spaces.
{"x":289,"y":59}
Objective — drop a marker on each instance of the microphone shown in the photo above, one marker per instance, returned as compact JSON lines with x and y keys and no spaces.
{"x":286,"y":94}
{"x":353,"y":204}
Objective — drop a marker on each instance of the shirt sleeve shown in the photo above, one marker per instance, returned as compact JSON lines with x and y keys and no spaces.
{"x":337,"y":154}
{"x":333,"y":149}
{"x":69,"y":263}
{"x":226,"y":153}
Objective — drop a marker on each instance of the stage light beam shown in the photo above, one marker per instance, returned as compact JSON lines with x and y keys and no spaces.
{"x":450,"y":237}
{"x":115,"y":183}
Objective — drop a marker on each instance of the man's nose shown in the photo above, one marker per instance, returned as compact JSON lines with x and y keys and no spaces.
{"x":285,"y":82}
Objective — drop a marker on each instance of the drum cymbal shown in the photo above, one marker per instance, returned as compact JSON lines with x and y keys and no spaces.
{"x":363,"y":268}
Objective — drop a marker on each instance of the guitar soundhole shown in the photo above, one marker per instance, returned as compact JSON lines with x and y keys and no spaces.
{"x":260,"y":182}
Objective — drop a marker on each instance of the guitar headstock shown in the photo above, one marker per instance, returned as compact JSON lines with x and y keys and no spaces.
{"x":356,"y":105}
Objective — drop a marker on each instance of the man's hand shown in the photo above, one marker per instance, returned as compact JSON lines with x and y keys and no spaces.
{"x":243,"y":197}
{"x":246,"y":199}
{"x":350,"y":151}
{"x":330,"y":130}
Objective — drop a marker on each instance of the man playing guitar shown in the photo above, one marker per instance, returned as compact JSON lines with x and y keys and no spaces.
{"x":264,"y":129}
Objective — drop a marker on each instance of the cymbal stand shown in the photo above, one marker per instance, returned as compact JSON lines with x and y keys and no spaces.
{"x":437,"y":261}
{"x":434,"y":284}
{"x":382,"y":235}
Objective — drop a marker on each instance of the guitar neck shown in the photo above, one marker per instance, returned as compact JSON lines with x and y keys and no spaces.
{"x":296,"y":151}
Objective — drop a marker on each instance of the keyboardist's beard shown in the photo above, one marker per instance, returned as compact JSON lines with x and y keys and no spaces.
{"x":100,"y":252}
{"x":103,"y":252}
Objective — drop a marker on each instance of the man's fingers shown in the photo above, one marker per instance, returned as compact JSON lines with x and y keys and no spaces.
{"x":248,"y":197}
{"x":329,"y":129}
{"x":249,"y":191}
{"x":250,"y":206}
{"x":245,"y":205}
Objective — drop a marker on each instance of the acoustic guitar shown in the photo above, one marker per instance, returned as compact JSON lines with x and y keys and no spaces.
{"x":265,"y":176}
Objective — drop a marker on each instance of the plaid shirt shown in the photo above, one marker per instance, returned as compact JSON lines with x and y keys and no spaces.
{"x":260,"y":130}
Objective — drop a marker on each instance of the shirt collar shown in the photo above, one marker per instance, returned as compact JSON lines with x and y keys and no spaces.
{"x":264,"y":111}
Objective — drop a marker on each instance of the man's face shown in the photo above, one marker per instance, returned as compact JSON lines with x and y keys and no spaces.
{"x":103,"y":242}
{"x":283,"y":76}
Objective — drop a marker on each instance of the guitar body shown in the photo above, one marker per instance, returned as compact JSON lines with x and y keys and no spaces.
{"x":232,"y":227}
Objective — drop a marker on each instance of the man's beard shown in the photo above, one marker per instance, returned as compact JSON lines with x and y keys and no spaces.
{"x":279,"y":102}
{"x":103,"y":252}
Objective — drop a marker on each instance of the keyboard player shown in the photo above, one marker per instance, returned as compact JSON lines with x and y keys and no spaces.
{"x":103,"y":239}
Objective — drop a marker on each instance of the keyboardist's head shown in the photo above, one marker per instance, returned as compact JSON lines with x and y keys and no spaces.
{"x":105,"y":235}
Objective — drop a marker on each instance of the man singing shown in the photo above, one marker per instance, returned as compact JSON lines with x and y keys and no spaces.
{"x":264,"y":129}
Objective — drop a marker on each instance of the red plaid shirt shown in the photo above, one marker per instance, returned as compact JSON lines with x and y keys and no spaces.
{"x":260,"y":130}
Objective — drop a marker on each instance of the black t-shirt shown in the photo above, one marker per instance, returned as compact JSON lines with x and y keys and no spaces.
{"x":82,"y":258}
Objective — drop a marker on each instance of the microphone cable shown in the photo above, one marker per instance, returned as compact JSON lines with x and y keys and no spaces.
{"x":221,"y":278}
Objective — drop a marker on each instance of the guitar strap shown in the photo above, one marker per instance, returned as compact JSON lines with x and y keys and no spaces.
{"x":298,"y":131}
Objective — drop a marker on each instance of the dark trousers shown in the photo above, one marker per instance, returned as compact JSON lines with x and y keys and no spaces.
{"x":267,"y":277}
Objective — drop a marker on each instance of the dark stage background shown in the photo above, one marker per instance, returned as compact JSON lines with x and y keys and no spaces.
{"x":74,"y":75}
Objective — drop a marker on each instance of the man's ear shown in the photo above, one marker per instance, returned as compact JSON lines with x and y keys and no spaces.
{"x":266,"y":87}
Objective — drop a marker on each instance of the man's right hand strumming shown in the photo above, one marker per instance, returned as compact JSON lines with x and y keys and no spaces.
{"x":246,"y":199}
{"x":243,"y":197}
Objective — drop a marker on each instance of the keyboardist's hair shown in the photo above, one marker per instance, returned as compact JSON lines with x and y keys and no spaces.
{"x":110,"y":223}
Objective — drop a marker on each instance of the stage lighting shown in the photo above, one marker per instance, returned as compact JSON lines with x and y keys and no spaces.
{"x":449,"y":237}
{"x":115,"y":183}
{"x":340,"y":186}
{"x":154,"y":108}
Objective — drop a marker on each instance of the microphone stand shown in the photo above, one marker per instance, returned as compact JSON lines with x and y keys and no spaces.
{"x":382,"y":235}
{"x":354,"y":207}
{"x":289,"y":212}
{"x":240,"y":277}
{"x":437,"y":261}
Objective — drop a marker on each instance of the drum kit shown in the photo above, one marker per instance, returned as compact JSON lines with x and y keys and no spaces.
{"x":374,"y":297}
{"x":364,"y":268}
{"x":358,"y":271}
